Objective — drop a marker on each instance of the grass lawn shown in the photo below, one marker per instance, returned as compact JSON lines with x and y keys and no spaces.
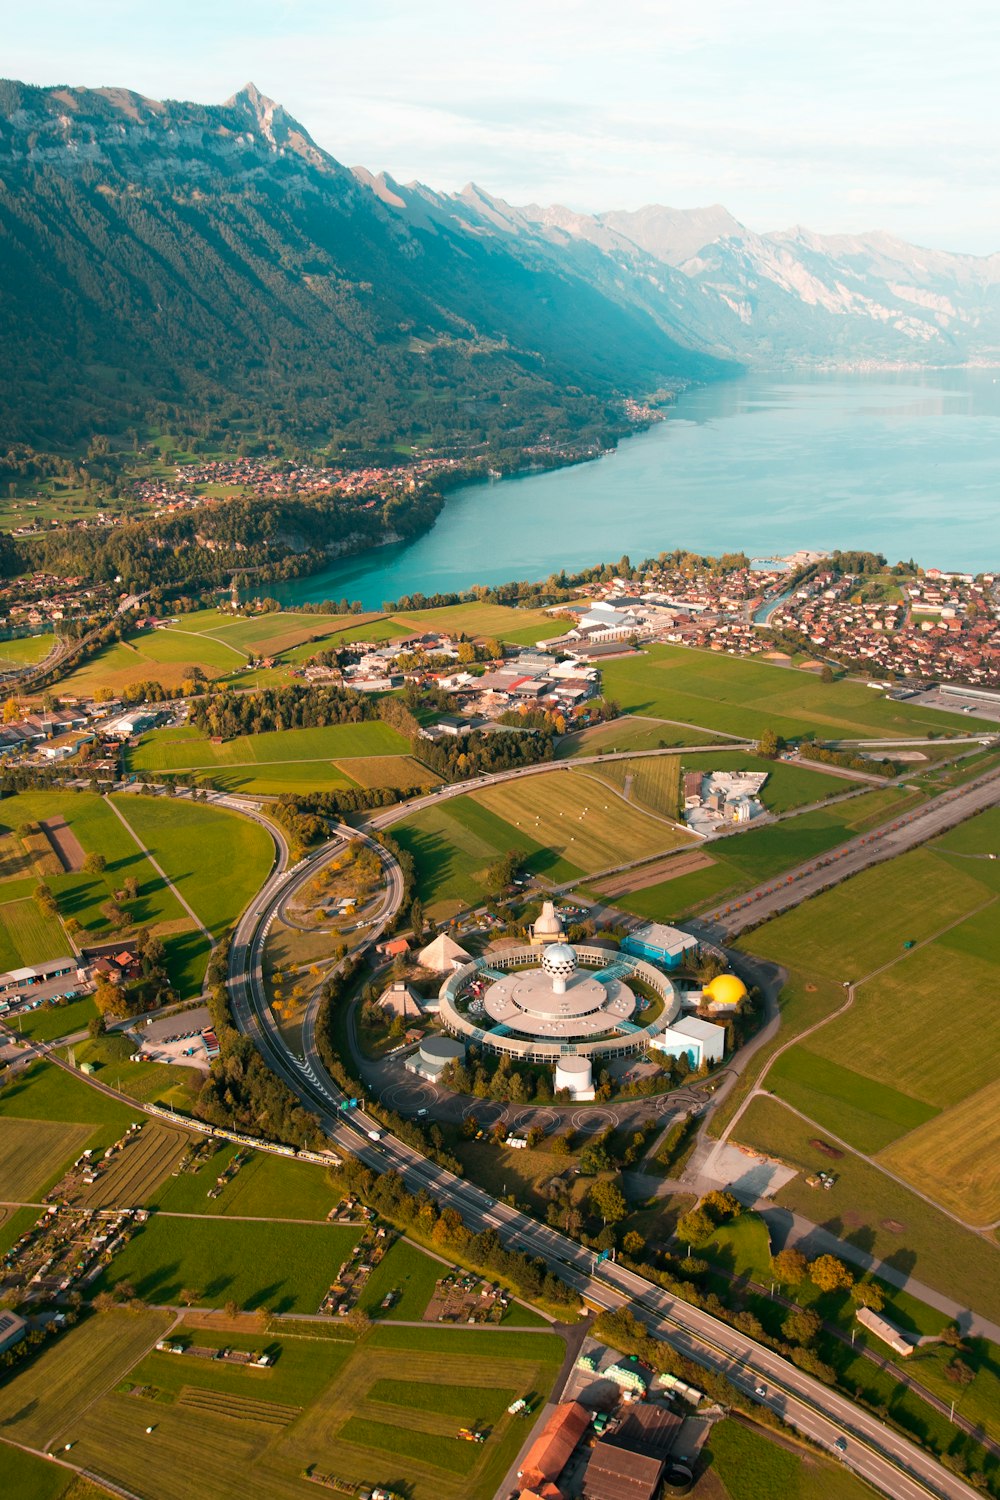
{"x":755,"y":1466}
{"x":266,"y":1186}
{"x":27,"y":936}
{"x":45,"y":1401}
{"x":216,"y":859}
{"x":25,"y":650}
{"x":866,"y":1208}
{"x":182,"y":749}
{"x":48,"y":1092}
{"x":726,"y":693}
{"x":404,"y":1269}
{"x":742,"y":1246}
{"x":284,"y":1267}
{"x":51,"y":1021}
{"x":29,"y":1478}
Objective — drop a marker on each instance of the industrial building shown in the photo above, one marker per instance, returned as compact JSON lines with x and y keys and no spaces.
{"x":553,"y":1448}
{"x":661,"y":945}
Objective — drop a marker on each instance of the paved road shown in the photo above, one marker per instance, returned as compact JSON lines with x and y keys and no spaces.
{"x":873,"y":1451}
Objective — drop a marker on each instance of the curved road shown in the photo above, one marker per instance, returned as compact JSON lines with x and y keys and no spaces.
{"x":874,"y":1451}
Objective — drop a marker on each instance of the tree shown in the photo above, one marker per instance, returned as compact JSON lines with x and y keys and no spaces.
{"x":110,"y":999}
{"x":130,"y":888}
{"x":721,"y":1206}
{"x":868,"y":1294}
{"x":190,"y":1295}
{"x":827,"y":673}
{"x":768,"y":744}
{"x":97,"y":1025}
{"x":801,"y":1325}
{"x":830,"y":1274}
{"x":417,"y":920}
{"x":633,"y":1244}
{"x":358,"y":1322}
{"x":789,"y":1266}
{"x":695,"y":1227}
{"x":95,"y":864}
{"x":232,"y":1308}
{"x":608,"y":1200}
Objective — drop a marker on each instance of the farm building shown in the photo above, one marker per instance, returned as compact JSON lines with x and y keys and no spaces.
{"x":554,"y":1446}
{"x":12,"y":1330}
{"x":661,"y":945}
{"x":884,"y":1330}
{"x":54,"y":968}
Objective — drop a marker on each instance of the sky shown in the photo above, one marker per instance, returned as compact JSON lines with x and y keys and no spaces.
{"x":845,"y":116}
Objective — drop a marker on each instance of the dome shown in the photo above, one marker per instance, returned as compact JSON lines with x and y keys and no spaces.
{"x":548,"y":923}
{"x":725,"y":989}
{"x":559,"y":960}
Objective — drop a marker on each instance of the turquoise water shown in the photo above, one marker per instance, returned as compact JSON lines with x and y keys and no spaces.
{"x":906,"y":464}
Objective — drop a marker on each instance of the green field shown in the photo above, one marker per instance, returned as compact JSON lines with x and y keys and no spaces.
{"x":285,"y":1267}
{"x":742,"y":860}
{"x":25,"y":650}
{"x":184,"y":750}
{"x":566,"y":824}
{"x":47,"y":1399}
{"x":482,"y":621}
{"x":48,"y":1092}
{"x":866,"y":1113}
{"x":27,"y":936}
{"x":630,"y":732}
{"x":954,"y":1157}
{"x":652,"y":782}
{"x":265,"y":1186}
{"x":33,"y":1152}
{"x":360,"y":1412}
{"x":405,"y":1270}
{"x":753,"y":1465}
{"x":715,"y":691}
{"x":216,"y":859}
{"x":51,"y":1021}
{"x":867,"y":1208}
{"x":30,"y":1478}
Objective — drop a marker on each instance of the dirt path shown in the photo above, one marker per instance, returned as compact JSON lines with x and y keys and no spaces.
{"x":65,"y":843}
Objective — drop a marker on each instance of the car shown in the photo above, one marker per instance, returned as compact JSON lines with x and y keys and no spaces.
{"x":760,"y":1390}
{"x":841,"y":1445}
{"x":421,"y":1113}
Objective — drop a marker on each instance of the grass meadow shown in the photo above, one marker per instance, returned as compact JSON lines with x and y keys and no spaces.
{"x":753,"y":1466}
{"x":718,"y":692}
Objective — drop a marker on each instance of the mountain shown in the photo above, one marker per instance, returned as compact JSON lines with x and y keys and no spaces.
{"x":210,"y":269}
{"x":792,"y":297}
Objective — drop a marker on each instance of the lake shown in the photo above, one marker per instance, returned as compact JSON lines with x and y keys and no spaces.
{"x":904,"y":463}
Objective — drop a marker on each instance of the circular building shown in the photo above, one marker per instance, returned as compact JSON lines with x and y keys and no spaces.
{"x":577,"y":1075}
{"x":564,"y":1003}
{"x":434,"y":1054}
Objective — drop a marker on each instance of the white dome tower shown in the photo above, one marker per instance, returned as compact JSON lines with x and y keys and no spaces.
{"x":548,"y":927}
{"x":559,"y":963}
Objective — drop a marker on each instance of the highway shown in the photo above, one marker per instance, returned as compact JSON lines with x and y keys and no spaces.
{"x":874,"y":1451}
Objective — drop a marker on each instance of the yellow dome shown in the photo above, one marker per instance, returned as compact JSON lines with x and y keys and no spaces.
{"x":725,"y":989}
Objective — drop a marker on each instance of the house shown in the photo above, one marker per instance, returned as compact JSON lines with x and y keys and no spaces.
{"x":393,"y":948}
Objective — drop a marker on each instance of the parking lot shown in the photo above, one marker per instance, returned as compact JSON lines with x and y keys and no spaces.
{"x":179,"y":1038}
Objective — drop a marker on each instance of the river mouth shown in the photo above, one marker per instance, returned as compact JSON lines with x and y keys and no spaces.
{"x":906,"y":463}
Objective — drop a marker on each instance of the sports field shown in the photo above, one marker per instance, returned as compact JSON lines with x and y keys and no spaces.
{"x":386,"y":1411}
{"x":566,"y":824}
{"x":742,"y":697}
{"x":25,"y":650}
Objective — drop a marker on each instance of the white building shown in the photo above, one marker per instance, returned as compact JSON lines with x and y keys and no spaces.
{"x":699,"y":1040}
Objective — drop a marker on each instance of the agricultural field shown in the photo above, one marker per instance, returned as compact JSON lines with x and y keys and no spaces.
{"x":47,"y":1095}
{"x":718,"y":692}
{"x":33,"y":1153}
{"x":455,"y":842}
{"x":385,"y":1411}
{"x":31,"y":1478}
{"x":754,"y":1465}
{"x":269,"y":635}
{"x":216,"y":859}
{"x":632,"y":732}
{"x":652,"y":783}
{"x":522,"y":627}
{"x":284,"y":1267}
{"x":391,"y":771}
{"x":124,"y":663}
{"x":93,"y":824}
{"x":867,"y":1208}
{"x":46,"y":1400}
{"x":923,"y":931}
{"x":137,"y":1171}
{"x":742,"y":860}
